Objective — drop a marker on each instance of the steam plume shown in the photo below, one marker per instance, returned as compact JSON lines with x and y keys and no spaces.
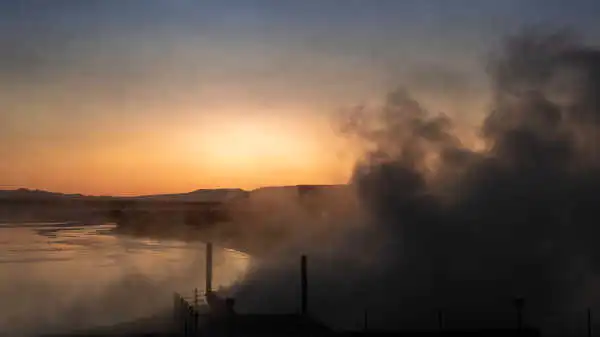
{"x":468,"y":230}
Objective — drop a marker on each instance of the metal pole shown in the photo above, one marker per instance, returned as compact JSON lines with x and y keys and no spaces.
{"x":196,"y":322}
{"x":440,"y":317}
{"x":304,"y":281}
{"x":176,"y":308}
{"x":519,"y":304}
{"x":589,"y":322}
{"x":209,"y":256}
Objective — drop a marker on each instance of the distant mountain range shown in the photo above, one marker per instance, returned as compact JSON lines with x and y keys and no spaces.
{"x":201,"y":195}
{"x":24,"y":193}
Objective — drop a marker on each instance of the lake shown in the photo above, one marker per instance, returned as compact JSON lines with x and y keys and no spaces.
{"x":64,"y":276}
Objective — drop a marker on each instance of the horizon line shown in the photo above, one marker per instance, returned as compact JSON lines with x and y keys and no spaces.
{"x":166,"y":194}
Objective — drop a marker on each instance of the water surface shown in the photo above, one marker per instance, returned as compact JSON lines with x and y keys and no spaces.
{"x":56,"y":276}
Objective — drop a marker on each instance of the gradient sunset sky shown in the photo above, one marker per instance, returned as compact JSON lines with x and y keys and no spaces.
{"x":130,"y":97}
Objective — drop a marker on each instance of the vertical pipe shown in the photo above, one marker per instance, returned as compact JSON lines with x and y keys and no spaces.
{"x":192,"y":321}
{"x":182,"y":316}
{"x":589,"y":322}
{"x":186,"y":326}
{"x":440,"y":317}
{"x":175,"y":308}
{"x":520,"y":319}
{"x":304,"y":281}
{"x":196,"y":323}
{"x":519,"y":303}
{"x":209,"y":263}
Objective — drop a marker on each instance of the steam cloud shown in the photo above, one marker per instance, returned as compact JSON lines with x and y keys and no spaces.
{"x":462,"y":229}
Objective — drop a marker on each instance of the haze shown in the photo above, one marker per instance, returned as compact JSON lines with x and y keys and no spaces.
{"x":108,"y":97}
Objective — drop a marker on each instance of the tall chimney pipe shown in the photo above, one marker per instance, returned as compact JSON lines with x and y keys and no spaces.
{"x":304,"y":286}
{"x":440,"y":317}
{"x":519,"y":303}
{"x":209,"y":263}
{"x":589,"y":322}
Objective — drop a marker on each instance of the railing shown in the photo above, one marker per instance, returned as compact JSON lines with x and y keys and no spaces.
{"x":186,"y":313}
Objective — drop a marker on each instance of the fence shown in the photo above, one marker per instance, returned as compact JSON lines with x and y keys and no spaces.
{"x":186,"y":313}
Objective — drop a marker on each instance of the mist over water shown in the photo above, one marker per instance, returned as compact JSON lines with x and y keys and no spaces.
{"x":68,"y":276}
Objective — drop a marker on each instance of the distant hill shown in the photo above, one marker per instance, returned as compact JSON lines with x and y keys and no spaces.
{"x":274,"y":193}
{"x":201,"y":195}
{"x":24,"y":193}
{"x":194,"y":196}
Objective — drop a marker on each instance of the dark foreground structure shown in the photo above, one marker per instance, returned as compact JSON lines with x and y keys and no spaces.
{"x":221,"y":320}
{"x":218,"y":318}
{"x":448,"y":333}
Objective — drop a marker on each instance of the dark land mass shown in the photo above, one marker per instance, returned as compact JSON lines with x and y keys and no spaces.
{"x":251,"y":221}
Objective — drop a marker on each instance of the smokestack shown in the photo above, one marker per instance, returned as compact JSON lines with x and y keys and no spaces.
{"x":519,"y":303}
{"x":229,"y":305}
{"x":589,"y":322}
{"x":440,"y":317}
{"x":208,"y":267}
{"x":304,"y":286}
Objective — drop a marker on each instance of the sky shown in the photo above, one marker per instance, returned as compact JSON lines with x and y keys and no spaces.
{"x":127,"y":97}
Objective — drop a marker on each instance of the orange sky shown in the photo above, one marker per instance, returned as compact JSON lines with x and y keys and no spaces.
{"x":221,"y":150}
{"x":97,"y":103}
{"x":87,"y":144}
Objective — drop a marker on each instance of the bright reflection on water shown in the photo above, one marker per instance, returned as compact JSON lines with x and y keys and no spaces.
{"x":68,"y":275}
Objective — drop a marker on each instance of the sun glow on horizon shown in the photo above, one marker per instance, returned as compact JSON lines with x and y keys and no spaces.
{"x":250,"y":145}
{"x":255,"y":151}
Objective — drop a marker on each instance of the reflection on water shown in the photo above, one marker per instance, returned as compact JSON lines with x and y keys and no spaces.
{"x":69,"y":275}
